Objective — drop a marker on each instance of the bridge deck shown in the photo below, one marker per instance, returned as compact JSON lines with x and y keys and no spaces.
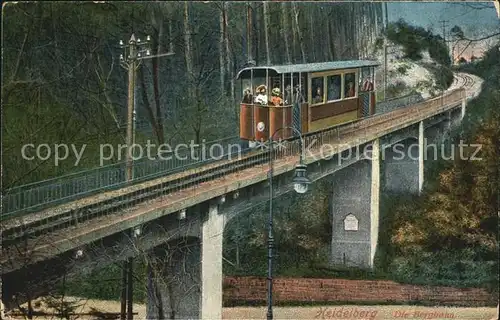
{"x":115,"y":221}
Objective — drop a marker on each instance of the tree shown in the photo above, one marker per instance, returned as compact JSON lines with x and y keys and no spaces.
{"x":416,"y":39}
{"x":456,"y":220}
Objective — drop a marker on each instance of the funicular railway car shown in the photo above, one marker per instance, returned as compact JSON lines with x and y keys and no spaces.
{"x":309,"y":97}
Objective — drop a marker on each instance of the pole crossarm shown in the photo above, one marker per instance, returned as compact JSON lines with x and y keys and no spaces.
{"x":157,"y":56}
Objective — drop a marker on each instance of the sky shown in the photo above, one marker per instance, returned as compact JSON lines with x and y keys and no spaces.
{"x":428,"y":14}
{"x":475,"y":23}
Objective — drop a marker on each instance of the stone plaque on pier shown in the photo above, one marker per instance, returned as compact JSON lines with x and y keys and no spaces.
{"x":351,"y":223}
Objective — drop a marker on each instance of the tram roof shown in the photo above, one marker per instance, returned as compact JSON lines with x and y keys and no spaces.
{"x":308,"y":67}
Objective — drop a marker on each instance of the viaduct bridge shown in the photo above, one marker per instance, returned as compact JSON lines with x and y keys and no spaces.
{"x":182,"y":215}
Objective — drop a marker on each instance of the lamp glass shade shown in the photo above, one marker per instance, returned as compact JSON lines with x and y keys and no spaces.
{"x":300,"y":187}
{"x":300,"y":180}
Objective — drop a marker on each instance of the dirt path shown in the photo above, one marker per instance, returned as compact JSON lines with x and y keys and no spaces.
{"x":317,"y":312}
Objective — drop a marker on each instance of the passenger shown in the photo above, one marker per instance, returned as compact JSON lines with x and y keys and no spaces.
{"x":288,"y":95}
{"x":247,"y":96}
{"x":319,"y":96}
{"x":368,"y":85}
{"x":299,"y":97}
{"x":350,"y":90}
{"x":334,"y":89}
{"x":261,"y":97}
{"x":276,"y":99}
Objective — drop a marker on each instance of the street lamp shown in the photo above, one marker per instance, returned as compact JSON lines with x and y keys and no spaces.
{"x":300,"y":185}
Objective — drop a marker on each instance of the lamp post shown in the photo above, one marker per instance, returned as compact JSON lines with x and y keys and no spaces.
{"x":301,"y":183}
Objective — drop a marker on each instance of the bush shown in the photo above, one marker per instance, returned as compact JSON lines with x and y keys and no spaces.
{"x":447,"y":268}
{"x":447,"y":235}
{"x":442,"y":74}
{"x":416,"y":39}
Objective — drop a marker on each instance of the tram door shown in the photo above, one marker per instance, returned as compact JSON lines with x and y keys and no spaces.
{"x":296,"y":116}
{"x":297,"y":83}
{"x":365,"y":100}
{"x":366,"y":90}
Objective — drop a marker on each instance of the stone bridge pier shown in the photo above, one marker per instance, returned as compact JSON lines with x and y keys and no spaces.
{"x":402,"y":166}
{"x":397,"y":163}
{"x":354,"y":211}
{"x":185,"y":274}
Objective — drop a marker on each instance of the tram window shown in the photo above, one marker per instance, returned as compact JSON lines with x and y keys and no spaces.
{"x":349,"y":85}
{"x":334,"y":83}
{"x":317,"y":90}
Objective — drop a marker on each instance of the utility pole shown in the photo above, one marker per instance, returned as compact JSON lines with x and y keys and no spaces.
{"x":385,"y":51}
{"x":133,"y":54}
{"x":249,"y":34}
{"x":444,"y":26}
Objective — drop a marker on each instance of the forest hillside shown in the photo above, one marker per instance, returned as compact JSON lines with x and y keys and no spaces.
{"x":63,"y":83}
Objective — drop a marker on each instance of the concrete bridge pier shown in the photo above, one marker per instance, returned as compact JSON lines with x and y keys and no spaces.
{"x":185,"y":275}
{"x":355,"y":212}
{"x":403,"y":164}
{"x":463,"y":109}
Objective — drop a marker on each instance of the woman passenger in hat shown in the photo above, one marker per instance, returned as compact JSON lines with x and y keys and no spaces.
{"x":276,"y":99}
{"x":261,"y":97}
{"x":247,"y":96}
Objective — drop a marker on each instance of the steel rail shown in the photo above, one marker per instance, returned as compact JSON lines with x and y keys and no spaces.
{"x":35,"y":196}
{"x":103,"y":226}
{"x":29,"y":198}
{"x":353,"y":125}
{"x":118,"y":202}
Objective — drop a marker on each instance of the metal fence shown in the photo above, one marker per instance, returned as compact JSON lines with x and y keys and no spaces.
{"x":34,"y":196}
{"x":400,"y":102}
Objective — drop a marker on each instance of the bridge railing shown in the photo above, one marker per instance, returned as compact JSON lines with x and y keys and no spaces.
{"x":400,"y":115}
{"x":399,"y":102}
{"x":25,"y":199}
{"x":34,"y":196}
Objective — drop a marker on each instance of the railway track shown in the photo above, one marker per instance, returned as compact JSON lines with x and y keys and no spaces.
{"x":119,"y":201}
{"x":86,"y":213}
{"x":469,"y":81}
{"x":466,"y":81}
{"x":46,"y":196}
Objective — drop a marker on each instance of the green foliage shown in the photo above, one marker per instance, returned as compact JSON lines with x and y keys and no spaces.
{"x":448,"y":235}
{"x":36,"y":124}
{"x":460,"y":268}
{"x":379,"y":44}
{"x":442,"y":74}
{"x":302,"y":233}
{"x":403,"y":69}
{"x":416,"y":39}
{"x":62,"y":307}
{"x":397,"y":89}
{"x":105,"y":283}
